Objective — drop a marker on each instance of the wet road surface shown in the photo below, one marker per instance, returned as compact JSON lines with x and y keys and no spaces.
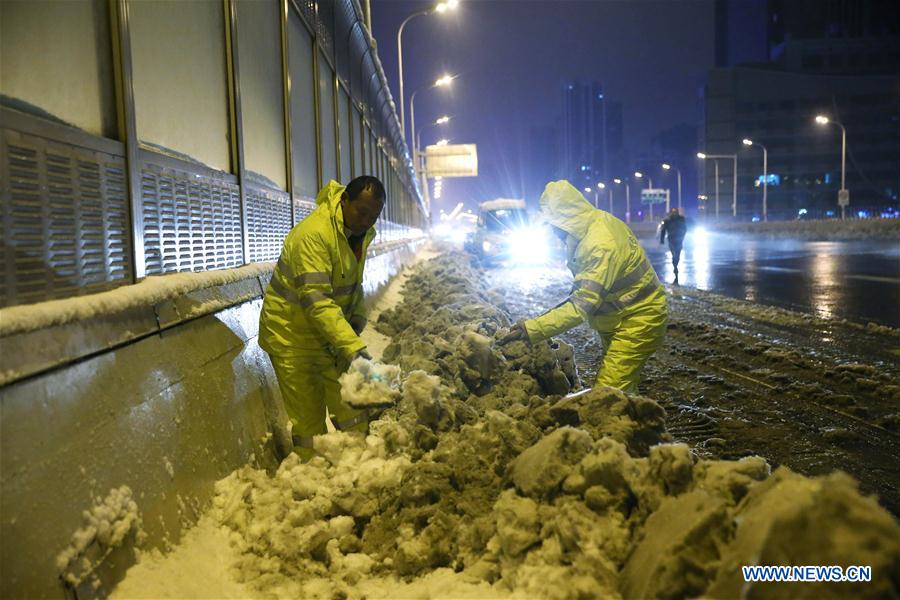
{"x":737,"y":378}
{"x":857,"y":280}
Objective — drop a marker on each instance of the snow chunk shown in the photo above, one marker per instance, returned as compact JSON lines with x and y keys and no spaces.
{"x":369,"y":384}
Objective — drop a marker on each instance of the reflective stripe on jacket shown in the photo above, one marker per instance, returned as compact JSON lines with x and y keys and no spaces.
{"x":613,"y":278}
{"x":316,"y":286}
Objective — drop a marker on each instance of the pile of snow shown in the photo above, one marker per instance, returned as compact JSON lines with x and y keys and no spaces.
{"x":106,"y":526}
{"x":486,"y":480}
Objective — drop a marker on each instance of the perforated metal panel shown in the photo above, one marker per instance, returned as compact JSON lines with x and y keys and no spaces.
{"x":325,"y":26}
{"x":64,"y":219}
{"x":268,"y":221}
{"x":191,"y":222}
{"x":303,"y":207}
{"x":307,"y":8}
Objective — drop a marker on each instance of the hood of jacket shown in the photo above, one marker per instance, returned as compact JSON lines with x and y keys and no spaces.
{"x":563,"y":206}
{"x":330,"y":192}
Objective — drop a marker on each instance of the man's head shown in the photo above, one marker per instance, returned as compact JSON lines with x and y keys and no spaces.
{"x":361,"y":203}
{"x":674,"y":212}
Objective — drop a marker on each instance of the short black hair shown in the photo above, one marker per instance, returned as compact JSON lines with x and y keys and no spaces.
{"x":363,"y":183}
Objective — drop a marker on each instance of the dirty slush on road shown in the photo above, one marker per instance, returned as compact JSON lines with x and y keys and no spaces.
{"x":738,"y":378}
{"x":489,"y":478}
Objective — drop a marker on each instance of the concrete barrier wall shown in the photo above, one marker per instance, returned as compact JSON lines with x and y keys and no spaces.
{"x":165,"y":396}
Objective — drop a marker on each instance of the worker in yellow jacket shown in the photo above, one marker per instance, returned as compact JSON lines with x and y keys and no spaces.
{"x":616,"y":290}
{"x":314,"y":311}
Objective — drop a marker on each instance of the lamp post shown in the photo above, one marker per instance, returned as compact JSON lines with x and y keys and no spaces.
{"x":441,"y":7}
{"x":439,"y":121}
{"x":667,"y":166}
{"x":591,"y":190}
{"x":843,"y":195}
{"x":618,"y":181}
{"x":602,"y":186}
{"x":442,"y":82}
{"x":640,"y":175}
{"x":749,"y":142}
{"x":715,"y":157}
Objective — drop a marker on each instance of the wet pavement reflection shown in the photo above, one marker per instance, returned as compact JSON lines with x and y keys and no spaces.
{"x":858,"y":280}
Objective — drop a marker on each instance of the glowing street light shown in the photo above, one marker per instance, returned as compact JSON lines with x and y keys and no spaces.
{"x":714,"y":158}
{"x":442,"y":142}
{"x":442,"y":120}
{"x":667,"y":167}
{"x":748,"y":142}
{"x":439,"y":83}
{"x":843,"y":195}
{"x":442,"y":7}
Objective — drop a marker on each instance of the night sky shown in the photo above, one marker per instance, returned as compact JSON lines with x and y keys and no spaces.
{"x":513,"y":58}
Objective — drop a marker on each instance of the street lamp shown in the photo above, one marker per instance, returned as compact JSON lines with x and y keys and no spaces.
{"x":442,"y":142}
{"x":618,"y":181}
{"x":843,"y":195}
{"x":439,"y":121}
{"x":441,"y":7}
{"x":715,"y":158}
{"x":749,"y":142}
{"x":602,"y":186}
{"x":441,"y":82}
{"x":640,"y":175}
{"x":667,"y":166}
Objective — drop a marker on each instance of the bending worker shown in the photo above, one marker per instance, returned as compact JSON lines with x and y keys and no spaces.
{"x":313,"y":310}
{"x":675,"y":226}
{"x":616,"y":290}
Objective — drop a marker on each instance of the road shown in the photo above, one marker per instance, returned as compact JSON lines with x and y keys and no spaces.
{"x":859,"y":281}
{"x":737,"y":377}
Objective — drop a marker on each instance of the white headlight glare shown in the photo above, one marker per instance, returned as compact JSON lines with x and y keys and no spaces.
{"x":528,"y":245}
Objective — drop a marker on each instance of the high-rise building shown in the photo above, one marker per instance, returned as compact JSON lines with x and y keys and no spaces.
{"x":839,"y":58}
{"x":587,"y":133}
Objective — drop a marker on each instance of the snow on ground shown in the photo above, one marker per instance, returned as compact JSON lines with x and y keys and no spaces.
{"x":488,"y":479}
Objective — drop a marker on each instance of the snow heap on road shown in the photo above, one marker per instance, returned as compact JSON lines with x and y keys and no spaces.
{"x":487,"y":480}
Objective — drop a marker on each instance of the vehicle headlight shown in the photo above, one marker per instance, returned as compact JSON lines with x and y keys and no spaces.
{"x":528,"y":245}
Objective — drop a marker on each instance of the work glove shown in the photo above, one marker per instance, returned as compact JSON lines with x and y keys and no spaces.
{"x":516,"y":333}
{"x":362,"y":354}
{"x":358,"y":323}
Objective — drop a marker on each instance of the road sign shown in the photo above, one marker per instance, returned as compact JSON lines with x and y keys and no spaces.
{"x":654,"y":196}
{"x":844,"y":198}
{"x":456,"y":160}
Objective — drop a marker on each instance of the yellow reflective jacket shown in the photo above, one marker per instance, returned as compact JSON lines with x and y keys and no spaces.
{"x":614,"y":281}
{"x":316,"y":286}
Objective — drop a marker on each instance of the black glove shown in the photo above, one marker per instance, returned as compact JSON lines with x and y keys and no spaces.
{"x":358,"y":323}
{"x":362,"y":354}
{"x":517,"y":332}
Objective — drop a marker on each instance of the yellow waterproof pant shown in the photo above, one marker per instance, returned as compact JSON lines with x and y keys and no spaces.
{"x":309,"y":385}
{"x":627,"y":349}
